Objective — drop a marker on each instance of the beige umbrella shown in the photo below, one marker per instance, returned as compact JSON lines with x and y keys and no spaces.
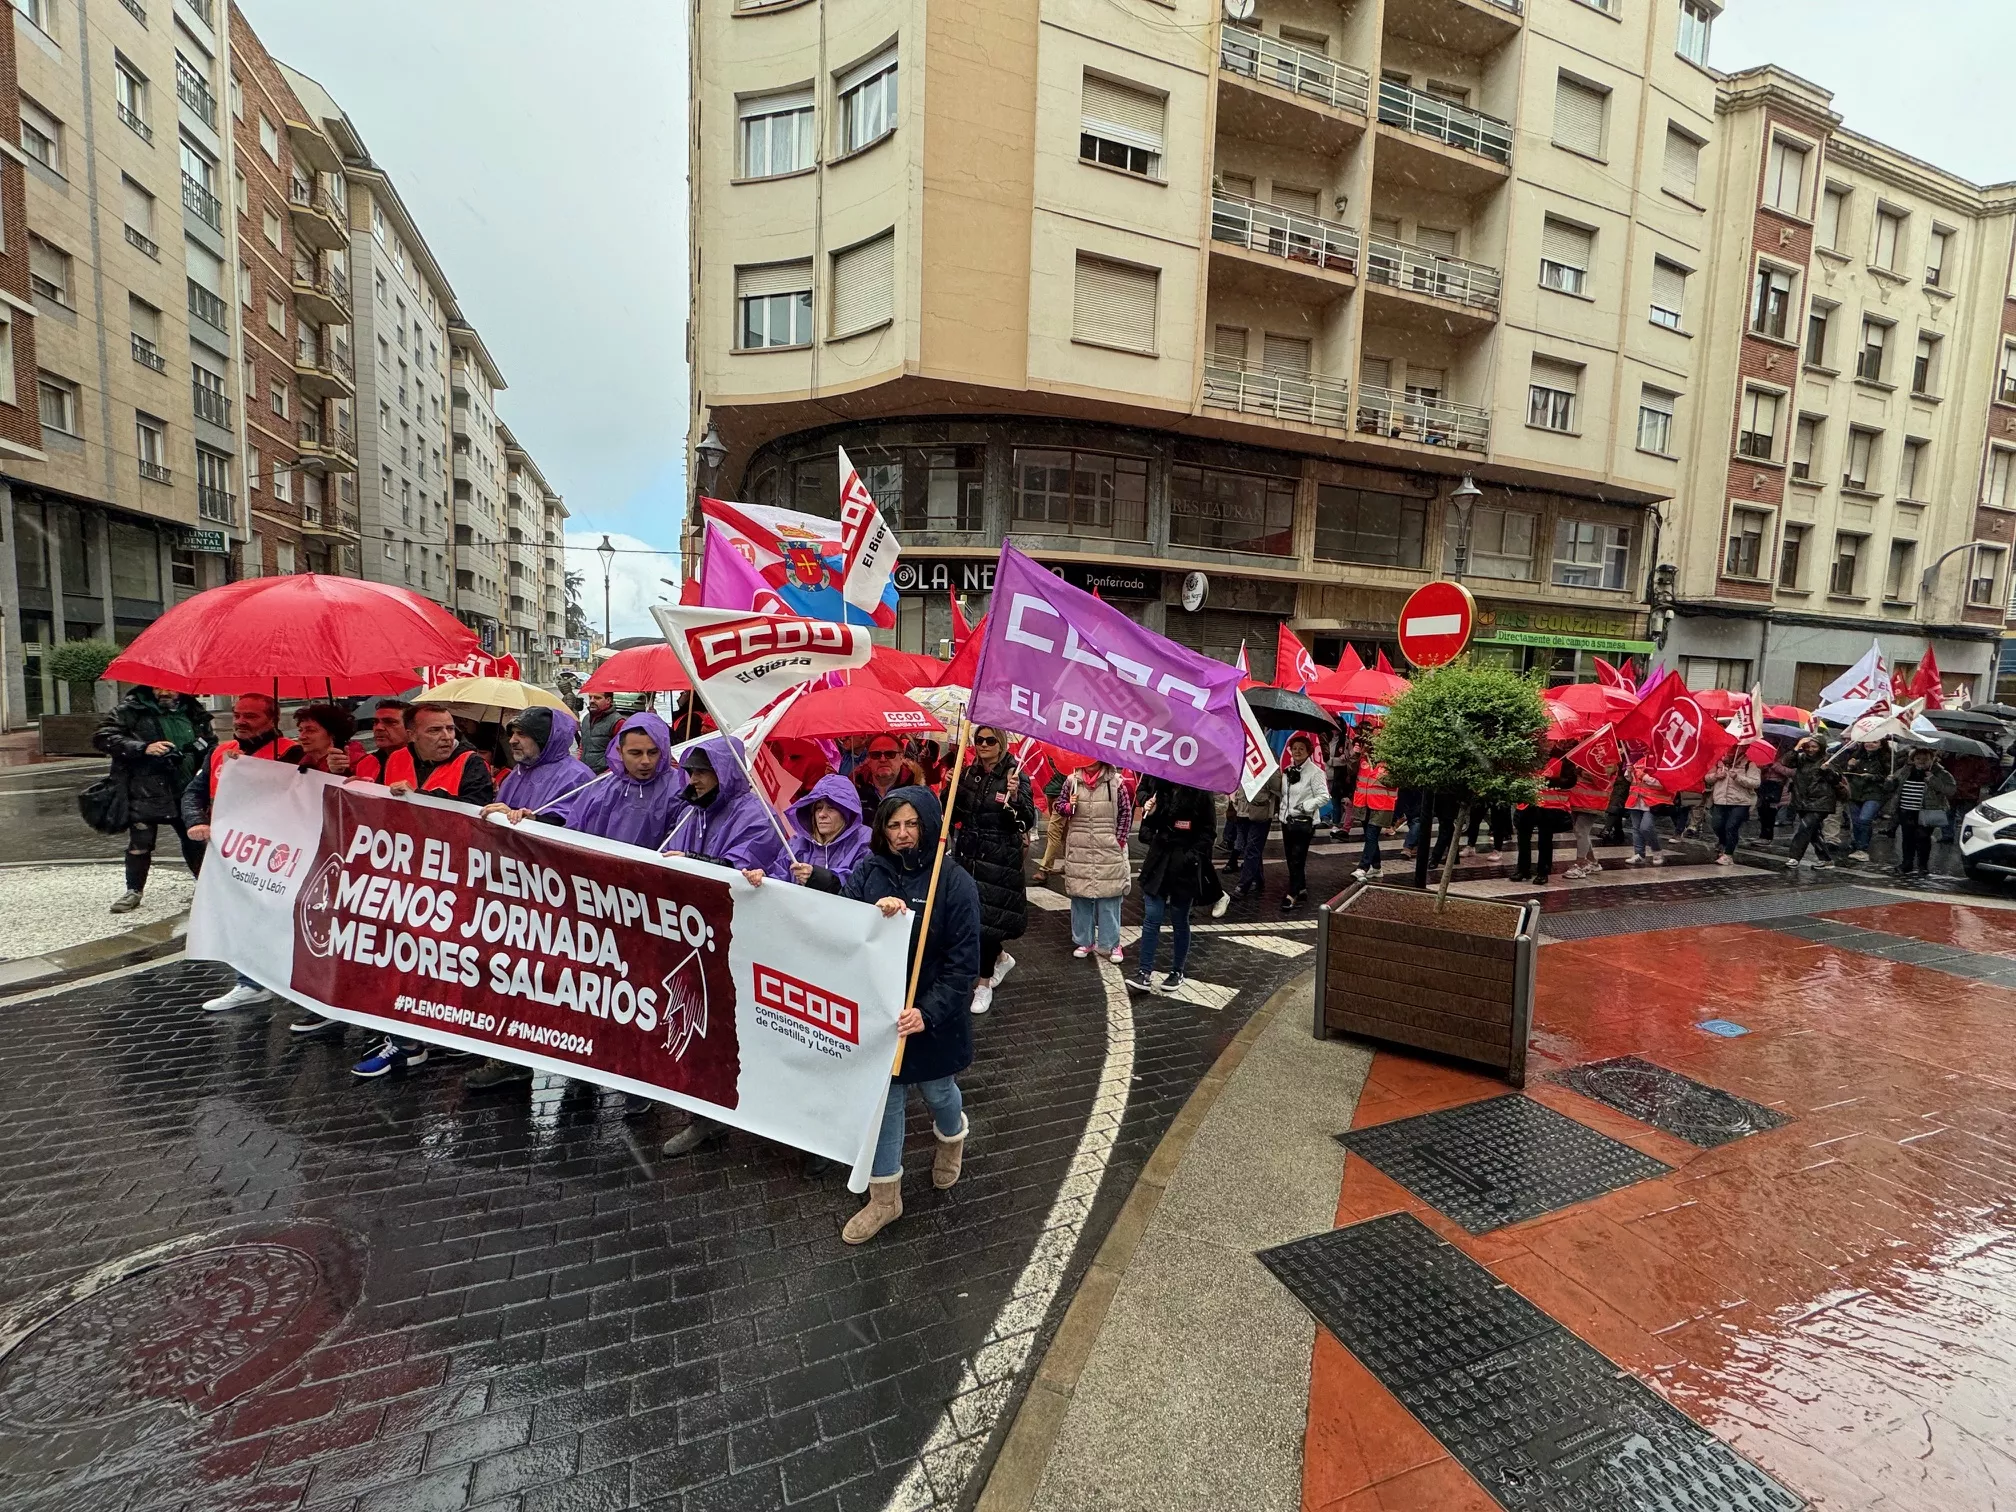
{"x":491,"y":699}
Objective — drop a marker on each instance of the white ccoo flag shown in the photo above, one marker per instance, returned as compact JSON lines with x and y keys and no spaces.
{"x":740,"y":660}
{"x":868,"y":547}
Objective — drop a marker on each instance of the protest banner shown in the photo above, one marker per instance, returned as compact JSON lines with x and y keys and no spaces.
{"x":770,"y":1008}
{"x":1057,"y":663}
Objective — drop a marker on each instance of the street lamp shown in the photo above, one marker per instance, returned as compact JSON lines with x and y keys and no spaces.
{"x":1928,"y":580}
{"x":1464,"y":496}
{"x":709,"y":451}
{"x":608,"y":554}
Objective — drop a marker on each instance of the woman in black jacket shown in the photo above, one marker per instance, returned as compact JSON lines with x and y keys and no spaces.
{"x":1177,"y":824}
{"x":155,"y":746}
{"x":937,"y":1028}
{"x":990,"y":827}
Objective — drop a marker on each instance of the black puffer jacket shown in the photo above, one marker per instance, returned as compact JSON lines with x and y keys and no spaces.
{"x":1178,"y":835}
{"x":988,"y":831}
{"x":153,"y":784}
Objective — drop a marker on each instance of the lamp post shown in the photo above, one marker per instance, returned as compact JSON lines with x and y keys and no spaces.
{"x":709,"y":451}
{"x":1464,"y":496}
{"x":608,"y":554}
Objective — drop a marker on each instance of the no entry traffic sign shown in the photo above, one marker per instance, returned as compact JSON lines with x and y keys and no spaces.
{"x":1435,"y":623}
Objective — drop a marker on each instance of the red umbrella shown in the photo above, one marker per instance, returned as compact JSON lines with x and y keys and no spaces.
{"x":900,"y":671}
{"x":1566,"y":722}
{"x":1365,"y":686}
{"x":1719,"y":702}
{"x":859,"y":708}
{"x":1594,"y":698}
{"x":1788,"y":713}
{"x":306,"y":635}
{"x":641,"y":669}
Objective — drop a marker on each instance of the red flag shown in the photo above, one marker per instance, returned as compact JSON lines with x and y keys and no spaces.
{"x":1611,"y":677}
{"x":1925,"y":682}
{"x":1630,"y":670}
{"x":1294,"y":667}
{"x":1350,"y":662}
{"x":1384,"y":665}
{"x":966,"y":660}
{"x":960,"y":629}
{"x":1246,"y":677}
{"x":1599,"y":755}
{"x":1680,"y":738}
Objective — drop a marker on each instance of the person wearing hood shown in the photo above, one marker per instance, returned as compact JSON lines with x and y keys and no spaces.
{"x":721,"y":818}
{"x":156,"y":742}
{"x":543,"y":765}
{"x":1816,"y":789}
{"x":636,"y":801}
{"x":993,"y":816}
{"x":830,"y":835}
{"x":938,"y":1026}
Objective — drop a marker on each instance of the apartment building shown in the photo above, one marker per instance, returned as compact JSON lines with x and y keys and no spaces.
{"x":478,"y":466}
{"x":1851,"y":457}
{"x":124,"y":498}
{"x":401,"y":308}
{"x":1164,"y":290}
{"x":535,"y":574}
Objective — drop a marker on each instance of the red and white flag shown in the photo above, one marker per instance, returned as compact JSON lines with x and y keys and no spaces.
{"x":1748,"y":721}
{"x":1599,"y":754}
{"x":1246,"y":677}
{"x":1611,"y":677}
{"x":1926,"y":683}
{"x":868,"y":547}
{"x":1681,"y":739}
{"x":740,"y":662}
{"x":1294,"y":667}
{"x":1257,"y":762}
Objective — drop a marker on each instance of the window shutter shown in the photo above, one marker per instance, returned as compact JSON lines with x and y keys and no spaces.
{"x":1435,"y":239}
{"x":1669,"y":286}
{"x":775,"y":104}
{"x":861,"y":72}
{"x":1565,"y":244}
{"x":1302,"y":201}
{"x":1115,"y":304}
{"x":864,"y":285}
{"x":1132,"y":117}
{"x":45,"y":261}
{"x":773,"y":278}
{"x":1547,"y":373}
{"x":1658,"y":401}
{"x":1683,"y":161}
{"x":1285,"y":354}
{"x":1228,"y":344}
{"x":1578,"y":116}
{"x":1376,"y":372}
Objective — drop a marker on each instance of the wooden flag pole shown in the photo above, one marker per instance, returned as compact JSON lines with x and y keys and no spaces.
{"x":931,"y":897}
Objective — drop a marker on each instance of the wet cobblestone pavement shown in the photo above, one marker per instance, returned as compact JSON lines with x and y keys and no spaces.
{"x":231,"y":1277}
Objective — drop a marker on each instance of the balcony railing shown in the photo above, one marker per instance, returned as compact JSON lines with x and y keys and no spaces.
{"x":141,"y":241}
{"x":329,"y":282}
{"x":207,"y":307}
{"x":136,"y":10}
{"x":203,"y":10}
{"x":211,"y":405}
{"x":1430,"y":422}
{"x":193,"y":90}
{"x":1445,"y":121}
{"x":1281,"y":395}
{"x":1284,"y":233}
{"x":1254,"y":55}
{"x":131,"y":119}
{"x":154,"y":472}
{"x":327,"y":438}
{"x":213,"y":503}
{"x":330,"y":356}
{"x":202,"y":204}
{"x":145,"y":354}
{"x":1508,"y":5}
{"x":1402,"y":265}
{"x":303,"y":194}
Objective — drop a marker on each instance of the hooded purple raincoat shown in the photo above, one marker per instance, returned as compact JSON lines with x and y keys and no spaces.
{"x":555,"y":770}
{"x":732,"y":828}
{"x":850,"y":845}
{"x":621,"y":808}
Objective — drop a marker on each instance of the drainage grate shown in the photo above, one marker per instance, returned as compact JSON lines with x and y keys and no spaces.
{"x":1544,"y":1422}
{"x":1500,"y":1161}
{"x":1687,"y":1109}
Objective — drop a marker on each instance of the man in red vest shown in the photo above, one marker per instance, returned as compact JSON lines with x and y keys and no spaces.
{"x":255,"y":731}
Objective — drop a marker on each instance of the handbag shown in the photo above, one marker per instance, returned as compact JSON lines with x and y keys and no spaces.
{"x":103,"y":806}
{"x":1934,"y":818}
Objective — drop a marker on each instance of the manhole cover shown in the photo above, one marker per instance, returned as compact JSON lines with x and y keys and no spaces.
{"x":165,"y":1337}
{"x":1687,"y":1109}
{"x":1544,"y":1422}
{"x":1500,"y":1161}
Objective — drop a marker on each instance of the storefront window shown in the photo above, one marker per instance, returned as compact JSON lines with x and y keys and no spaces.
{"x":1588,"y":555}
{"x":1360,"y":525}
{"x":1231,"y":511}
{"x":926,"y":488}
{"x":31,"y":548}
{"x":136,"y":562}
{"x":1082,"y":493}
{"x":1501,"y":542}
{"x":76,"y":546}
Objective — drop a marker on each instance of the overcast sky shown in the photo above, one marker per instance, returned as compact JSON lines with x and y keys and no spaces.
{"x":546,"y":166}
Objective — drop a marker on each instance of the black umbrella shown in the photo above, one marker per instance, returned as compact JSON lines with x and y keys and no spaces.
{"x":1968,"y":722}
{"x":1999,"y":710}
{"x":1282,"y":709}
{"x":1784,"y":730}
{"x":1952,"y":745}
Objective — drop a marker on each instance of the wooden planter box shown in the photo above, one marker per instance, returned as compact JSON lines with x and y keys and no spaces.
{"x":1460,"y":984}
{"x":69,"y":734}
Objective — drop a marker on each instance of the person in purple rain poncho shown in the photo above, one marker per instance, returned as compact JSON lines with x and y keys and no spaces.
{"x":720,"y":817}
{"x":638,"y":800}
{"x":543,"y":764}
{"x":830,"y":836}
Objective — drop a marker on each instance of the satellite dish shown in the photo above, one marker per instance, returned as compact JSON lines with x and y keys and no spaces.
{"x":1195,"y":585}
{"x":1239,"y":10}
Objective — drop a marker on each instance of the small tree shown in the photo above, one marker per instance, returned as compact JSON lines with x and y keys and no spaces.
{"x":1467,"y":728}
{"x":80,"y":663}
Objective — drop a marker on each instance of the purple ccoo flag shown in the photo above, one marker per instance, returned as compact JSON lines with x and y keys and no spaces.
{"x":1062,"y":665}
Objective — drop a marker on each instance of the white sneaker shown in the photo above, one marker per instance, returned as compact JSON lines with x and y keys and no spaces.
{"x":1634,"y":859}
{"x":1858,"y":855}
{"x":1219,"y":908}
{"x":1003,"y":964}
{"x":1081,"y":952}
{"x":983,"y":997}
{"x":1117,"y":956}
{"x":1362,"y":873}
{"x":1658,"y":858}
{"x":1725,"y":860}
{"x":241,"y":996}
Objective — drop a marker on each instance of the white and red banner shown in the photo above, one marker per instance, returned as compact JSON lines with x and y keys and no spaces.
{"x":772,"y":1008}
{"x":741,"y":661}
{"x":1868,"y":679}
{"x":868,"y":547}
{"x":475,"y":664}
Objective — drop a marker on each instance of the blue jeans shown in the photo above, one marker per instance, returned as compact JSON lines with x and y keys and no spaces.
{"x":1153,"y":911}
{"x":1729,"y":821}
{"x":1862,"y":821}
{"x":1368,"y":858}
{"x":1096,"y":921}
{"x":1645,"y":831}
{"x":948,"y":1117}
{"x":1252,"y":851}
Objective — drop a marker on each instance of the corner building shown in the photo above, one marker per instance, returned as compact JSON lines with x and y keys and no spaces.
{"x":1157,"y":289}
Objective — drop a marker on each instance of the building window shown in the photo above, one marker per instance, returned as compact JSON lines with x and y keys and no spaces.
{"x":1790,"y":550}
{"x":868,"y":102}
{"x":1771,"y":309}
{"x":1579,"y":109}
{"x":182,"y":568}
{"x":864,"y":294}
{"x":129,"y":93}
{"x":1364,"y":525}
{"x":1757,"y":437}
{"x":1501,"y":542}
{"x":1669,"y":294}
{"x":41,"y":135}
{"x":1805,"y":441}
{"x":1082,"y":493}
{"x":245,"y":283}
{"x":57,"y":399}
{"x":1833,"y":201}
{"x":1231,"y":511}
{"x":1745,"y":556}
{"x":276,"y":399}
{"x":2005,"y":378}
{"x":1847,"y":564}
{"x":773,"y":303}
{"x":776,"y":133}
{"x":1121,"y":127}
{"x":1702,"y":674}
{"x":213,"y":485}
{"x":1889,"y":234}
{"x":269,"y":139}
{"x":926,"y":489}
{"x":1819,"y":324}
{"x":254,"y":470}
{"x":1551,"y":393}
{"x":1683,"y":162}
{"x":1982,"y":580}
{"x":272,"y":229}
{"x":2001,"y":477}
{"x":1935,"y":257}
{"x":1565,"y":253}
{"x":1861,"y":458}
{"x":241,"y":195}
{"x":1588,"y":555}
{"x":1897,"y":585}
{"x":1869,"y":360}
{"x":1785,"y":176}
{"x":41,"y":12}
{"x":283,"y":484}
{"x":1113,"y":305}
{"x":1696,"y":17}
{"x":1655,"y":421}
{"x":276,"y":314}
{"x":1925,"y":365}
{"x":49,"y":272}
{"x":151,"y":439}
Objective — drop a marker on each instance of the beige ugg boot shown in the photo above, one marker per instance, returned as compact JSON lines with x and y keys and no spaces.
{"x":951,"y":1155}
{"x":885,"y":1206}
